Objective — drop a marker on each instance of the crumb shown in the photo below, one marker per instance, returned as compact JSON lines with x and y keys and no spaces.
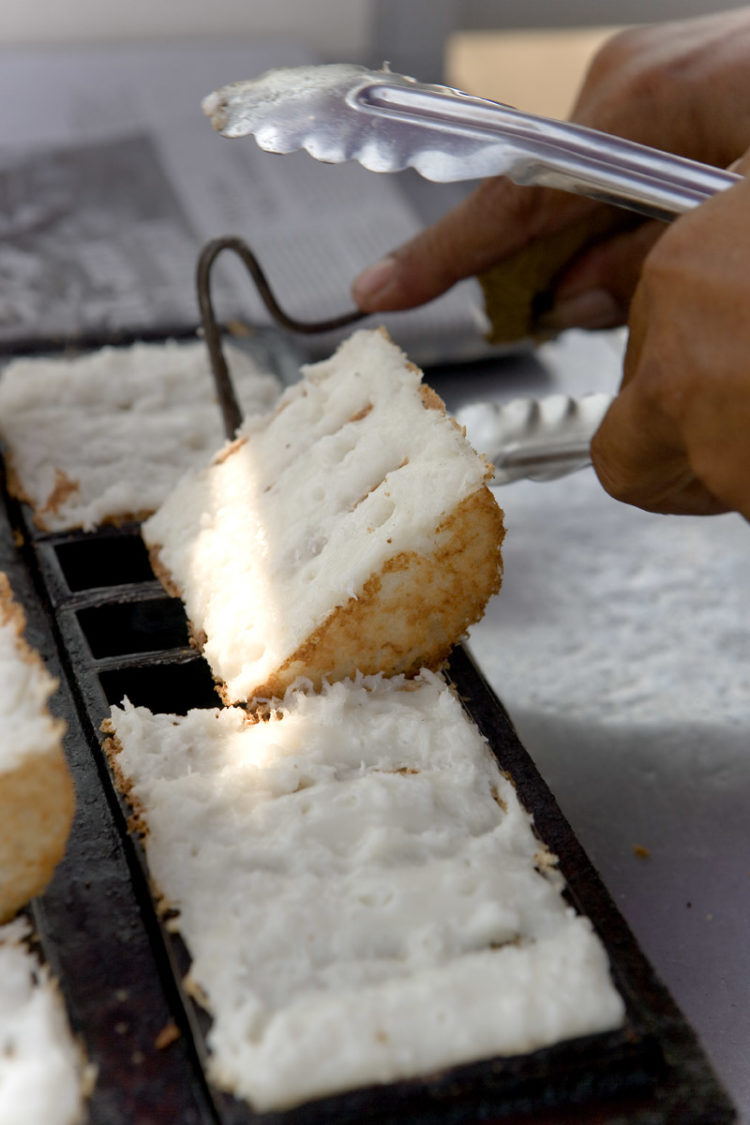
{"x":63,"y":488}
{"x":167,"y":1036}
{"x":18,"y":539}
{"x":545,"y":860}
{"x":640,"y":851}
{"x":499,"y":800}
{"x":88,"y":1079}
{"x":238,"y":328}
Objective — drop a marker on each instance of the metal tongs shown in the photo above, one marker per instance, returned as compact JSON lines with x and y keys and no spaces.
{"x":388,"y":122}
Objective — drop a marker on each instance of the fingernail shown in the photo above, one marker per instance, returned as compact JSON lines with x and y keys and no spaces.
{"x":595,"y":308}
{"x":374,"y":282}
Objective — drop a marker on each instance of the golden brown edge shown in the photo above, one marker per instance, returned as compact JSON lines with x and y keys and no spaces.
{"x":37,"y":797}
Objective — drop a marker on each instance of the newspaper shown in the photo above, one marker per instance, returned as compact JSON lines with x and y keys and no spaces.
{"x":111,"y":180}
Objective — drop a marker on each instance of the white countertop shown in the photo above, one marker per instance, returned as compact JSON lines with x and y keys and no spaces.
{"x":620,"y":645}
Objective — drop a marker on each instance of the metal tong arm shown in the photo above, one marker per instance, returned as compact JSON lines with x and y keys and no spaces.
{"x":554,"y":153}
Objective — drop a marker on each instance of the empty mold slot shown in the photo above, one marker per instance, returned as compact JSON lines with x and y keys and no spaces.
{"x":110,"y":561}
{"x":163,"y":688}
{"x":128,"y":627}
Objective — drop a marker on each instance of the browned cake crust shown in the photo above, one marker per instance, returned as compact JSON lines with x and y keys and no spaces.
{"x":36,"y":810}
{"x":36,"y":798}
{"x":407,"y":616}
{"x":410,"y":614}
{"x":62,"y":489}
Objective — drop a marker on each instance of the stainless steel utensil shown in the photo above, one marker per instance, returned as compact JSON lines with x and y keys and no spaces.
{"x":534,"y":439}
{"x":389,"y":122}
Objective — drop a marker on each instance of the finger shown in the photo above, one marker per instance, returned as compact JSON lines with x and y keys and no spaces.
{"x":493,"y":222}
{"x":741,"y":165}
{"x":639,"y":457}
{"x":596,"y":290}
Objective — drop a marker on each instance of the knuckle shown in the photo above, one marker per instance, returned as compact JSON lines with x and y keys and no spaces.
{"x":629,"y":77}
{"x":615,"y":51}
{"x":608,"y":467}
{"x":663,"y":391}
{"x":630,"y":59}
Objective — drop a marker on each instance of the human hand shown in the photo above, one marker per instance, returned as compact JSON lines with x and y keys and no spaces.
{"x":677,"y":437}
{"x":682,"y":87}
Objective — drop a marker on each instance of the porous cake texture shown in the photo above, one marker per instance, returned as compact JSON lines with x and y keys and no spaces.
{"x":36,"y":792}
{"x":43,"y":1078}
{"x":361,"y":893}
{"x":351,"y":528}
{"x":103,"y":437}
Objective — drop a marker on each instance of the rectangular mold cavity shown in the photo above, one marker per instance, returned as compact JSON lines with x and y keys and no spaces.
{"x":117,"y":560}
{"x":119,"y":628}
{"x":167,"y":688}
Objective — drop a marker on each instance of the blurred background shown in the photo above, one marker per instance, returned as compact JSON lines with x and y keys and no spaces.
{"x":480,"y":44}
{"x":110,"y":178}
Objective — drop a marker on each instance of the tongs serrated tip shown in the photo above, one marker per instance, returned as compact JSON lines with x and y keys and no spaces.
{"x":534,"y":439}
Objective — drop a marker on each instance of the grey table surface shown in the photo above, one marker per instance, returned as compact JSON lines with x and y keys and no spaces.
{"x":620,"y":645}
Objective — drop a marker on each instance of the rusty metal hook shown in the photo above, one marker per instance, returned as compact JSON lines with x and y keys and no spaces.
{"x":228,"y":403}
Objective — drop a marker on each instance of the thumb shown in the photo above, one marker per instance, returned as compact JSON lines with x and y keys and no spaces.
{"x":639,"y":460}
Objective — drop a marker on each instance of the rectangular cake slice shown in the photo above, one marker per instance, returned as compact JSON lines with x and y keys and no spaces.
{"x":349,"y":529}
{"x":103,"y":437}
{"x":362,"y":894}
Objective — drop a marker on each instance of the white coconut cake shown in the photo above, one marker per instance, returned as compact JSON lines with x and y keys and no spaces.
{"x":103,"y":437}
{"x":362,"y":895}
{"x":43,"y":1075}
{"x":351,"y":528}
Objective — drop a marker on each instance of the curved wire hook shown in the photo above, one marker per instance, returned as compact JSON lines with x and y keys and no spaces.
{"x":230,"y":408}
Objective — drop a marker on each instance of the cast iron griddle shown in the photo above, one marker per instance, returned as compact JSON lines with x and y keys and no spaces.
{"x":105,"y":626}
